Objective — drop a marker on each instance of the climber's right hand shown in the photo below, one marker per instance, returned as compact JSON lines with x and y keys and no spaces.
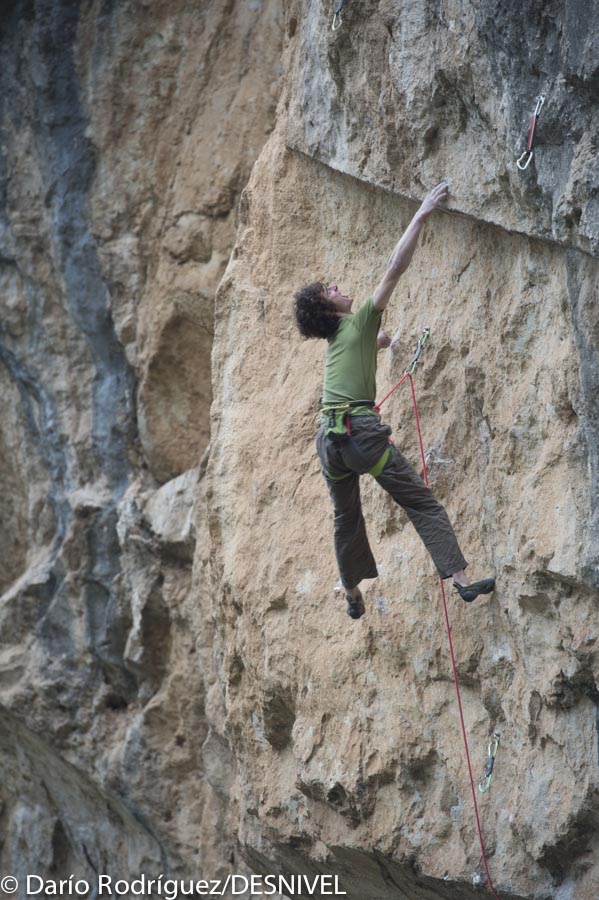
{"x":434,"y":199}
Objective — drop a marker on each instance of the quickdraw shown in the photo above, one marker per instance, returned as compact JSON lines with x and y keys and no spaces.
{"x":421,"y":342}
{"x":531,"y":135}
{"x":411,"y":368}
{"x":337,"y":20}
{"x":485,"y":782}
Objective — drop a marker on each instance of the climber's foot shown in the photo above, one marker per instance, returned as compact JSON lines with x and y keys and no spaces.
{"x":470,"y":592}
{"x":355,"y":603}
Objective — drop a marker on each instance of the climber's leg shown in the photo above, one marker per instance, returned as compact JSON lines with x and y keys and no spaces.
{"x":425,"y":512}
{"x":352,"y":550}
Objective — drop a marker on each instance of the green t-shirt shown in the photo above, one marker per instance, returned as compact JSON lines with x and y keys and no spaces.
{"x":350,"y":372}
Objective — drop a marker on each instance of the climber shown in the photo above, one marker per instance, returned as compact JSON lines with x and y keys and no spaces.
{"x":352,"y":441}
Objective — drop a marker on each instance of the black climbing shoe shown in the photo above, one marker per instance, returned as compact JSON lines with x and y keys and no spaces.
{"x":355,"y":606}
{"x":470,"y":592}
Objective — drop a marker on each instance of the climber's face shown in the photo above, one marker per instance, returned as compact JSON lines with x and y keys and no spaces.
{"x":341,"y":302}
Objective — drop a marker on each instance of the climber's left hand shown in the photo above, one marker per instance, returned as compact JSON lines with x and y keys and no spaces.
{"x":383,"y":340}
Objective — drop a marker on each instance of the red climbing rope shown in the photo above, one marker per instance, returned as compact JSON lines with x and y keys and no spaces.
{"x":394,"y":388}
{"x":411,"y":368}
{"x":455,"y":673}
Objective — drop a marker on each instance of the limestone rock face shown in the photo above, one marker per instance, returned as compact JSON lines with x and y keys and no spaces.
{"x":404,"y":92}
{"x":180,"y":101}
{"x":127,"y":133}
{"x":179,"y":683}
{"x":347,"y":746}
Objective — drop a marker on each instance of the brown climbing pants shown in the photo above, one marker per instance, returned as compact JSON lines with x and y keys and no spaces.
{"x":344,"y":458}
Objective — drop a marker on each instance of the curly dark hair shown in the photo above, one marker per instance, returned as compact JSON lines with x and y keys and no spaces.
{"x":315,"y":315}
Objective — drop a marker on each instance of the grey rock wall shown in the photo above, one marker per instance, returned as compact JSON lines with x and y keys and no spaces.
{"x":403,"y":92}
{"x":119,"y":182}
{"x":179,"y":685}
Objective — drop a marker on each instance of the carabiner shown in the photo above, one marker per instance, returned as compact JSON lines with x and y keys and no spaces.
{"x":494,"y":745}
{"x":337,"y":20}
{"x":485,"y":782}
{"x":539,"y":106}
{"x":527,"y":153}
{"x":422,"y":341}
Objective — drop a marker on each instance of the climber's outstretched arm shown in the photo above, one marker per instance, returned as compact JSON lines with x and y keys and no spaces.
{"x":402,"y":255}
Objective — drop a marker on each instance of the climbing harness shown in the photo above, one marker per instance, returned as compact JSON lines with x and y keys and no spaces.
{"x":485,"y":783}
{"x":338,"y":417}
{"x":409,"y":374}
{"x":337,"y":20}
{"x":531,"y":134}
